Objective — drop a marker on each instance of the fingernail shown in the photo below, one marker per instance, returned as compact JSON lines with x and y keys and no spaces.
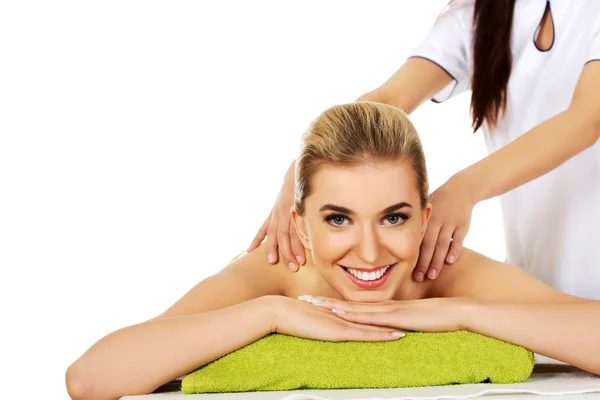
{"x":271,"y":258}
{"x":293,"y":266}
{"x":299,"y":259}
{"x":315,"y":301}
{"x":420,"y":276}
{"x":398,"y":334}
{"x":432,"y":274}
{"x":305,"y":297}
{"x":450,"y":259}
{"x":341,"y":312}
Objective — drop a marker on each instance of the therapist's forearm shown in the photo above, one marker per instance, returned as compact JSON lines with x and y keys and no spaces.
{"x":534,"y":154}
{"x":377,"y":95}
{"x":569,"y":332}
{"x":380,"y":95}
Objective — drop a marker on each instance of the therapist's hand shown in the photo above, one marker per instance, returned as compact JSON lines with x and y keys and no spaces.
{"x":280,"y":231}
{"x":449,"y":223}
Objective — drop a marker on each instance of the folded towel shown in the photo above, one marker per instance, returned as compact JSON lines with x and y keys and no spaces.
{"x":281,"y":362}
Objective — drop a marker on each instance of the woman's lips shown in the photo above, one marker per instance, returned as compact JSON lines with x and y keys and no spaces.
{"x":374,"y":284}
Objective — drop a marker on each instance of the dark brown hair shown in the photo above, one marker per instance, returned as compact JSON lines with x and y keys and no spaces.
{"x":492,"y":59}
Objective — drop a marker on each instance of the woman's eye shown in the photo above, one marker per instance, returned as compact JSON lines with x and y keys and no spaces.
{"x":395,"y":219}
{"x":336,"y":220}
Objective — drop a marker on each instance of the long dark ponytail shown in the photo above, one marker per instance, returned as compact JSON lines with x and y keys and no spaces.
{"x":492,"y":59}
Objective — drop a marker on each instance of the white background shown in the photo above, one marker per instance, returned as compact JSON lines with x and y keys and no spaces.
{"x":143,"y":143}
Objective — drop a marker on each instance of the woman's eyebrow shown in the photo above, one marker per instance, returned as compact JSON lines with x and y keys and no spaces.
{"x":333,"y":207}
{"x":395,"y":207}
{"x":344,"y":210}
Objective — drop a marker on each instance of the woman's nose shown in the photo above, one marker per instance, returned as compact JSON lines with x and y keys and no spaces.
{"x":368,"y":246}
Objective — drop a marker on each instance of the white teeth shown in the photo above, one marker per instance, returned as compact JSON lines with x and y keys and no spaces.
{"x":368,"y":276}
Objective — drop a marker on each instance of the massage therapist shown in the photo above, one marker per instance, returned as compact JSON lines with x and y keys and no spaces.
{"x":533,"y":71}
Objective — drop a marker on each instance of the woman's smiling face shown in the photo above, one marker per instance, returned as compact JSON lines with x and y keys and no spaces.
{"x":364,"y":225}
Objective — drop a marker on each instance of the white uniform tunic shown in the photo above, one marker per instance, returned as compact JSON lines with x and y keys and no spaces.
{"x":552,"y":224}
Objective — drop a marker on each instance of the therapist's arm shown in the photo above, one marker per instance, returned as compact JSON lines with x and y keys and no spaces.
{"x":544,"y":147}
{"x":415,"y":82}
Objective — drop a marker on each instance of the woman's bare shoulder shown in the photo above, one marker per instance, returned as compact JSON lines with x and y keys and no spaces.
{"x":478,"y":276}
{"x":247,"y":277}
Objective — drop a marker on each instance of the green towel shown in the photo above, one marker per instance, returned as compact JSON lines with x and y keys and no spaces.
{"x":281,"y":362}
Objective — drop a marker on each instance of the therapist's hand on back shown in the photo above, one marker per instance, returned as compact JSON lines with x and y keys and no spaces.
{"x":282,"y":237}
{"x":449,"y":223}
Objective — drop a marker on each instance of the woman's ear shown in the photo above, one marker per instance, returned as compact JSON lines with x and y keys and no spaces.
{"x":425,"y":218}
{"x":300,"y":228}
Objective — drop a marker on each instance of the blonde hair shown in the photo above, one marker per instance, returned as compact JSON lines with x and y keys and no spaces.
{"x":356,"y":133}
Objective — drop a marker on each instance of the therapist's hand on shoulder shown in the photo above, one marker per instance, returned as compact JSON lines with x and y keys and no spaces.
{"x":282,"y":237}
{"x":448,"y":225}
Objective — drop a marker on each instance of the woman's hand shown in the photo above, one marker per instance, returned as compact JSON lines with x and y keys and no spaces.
{"x":426,"y":315}
{"x":452,"y":206}
{"x":280,"y":230}
{"x":298,"y":318}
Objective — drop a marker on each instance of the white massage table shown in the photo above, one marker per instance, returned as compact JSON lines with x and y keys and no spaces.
{"x":550,"y":380}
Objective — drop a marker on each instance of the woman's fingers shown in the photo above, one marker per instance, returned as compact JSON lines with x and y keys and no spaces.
{"x":260,"y":235}
{"x":370,"y":327}
{"x":329,"y":303}
{"x":364,"y":334}
{"x":441,"y":250}
{"x":381,"y":319}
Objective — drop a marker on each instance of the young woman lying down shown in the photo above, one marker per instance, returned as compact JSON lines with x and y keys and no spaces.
{"x":361,"y":208}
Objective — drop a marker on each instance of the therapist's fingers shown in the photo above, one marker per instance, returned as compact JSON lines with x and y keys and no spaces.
{"x":260,"y":235}
{"x":285,"y":247}
{"x":297,"y":246}
{"x":457,"y":244}
{"x":427,"y":250}
{"x":441,"y":250}
{"x":272,"y":253}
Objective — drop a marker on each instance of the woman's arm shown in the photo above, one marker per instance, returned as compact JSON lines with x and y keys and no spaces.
{"x":513,"y":306}
{"x":497,"y":300}
{"x":544,"y":147}
{"x":568,"y":331}
{"x":219,"y":315}
{"x":140,"y":358}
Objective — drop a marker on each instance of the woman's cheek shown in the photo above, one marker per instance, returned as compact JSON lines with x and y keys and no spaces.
{"x":406,"y":242}
{"x":328,"y":246}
